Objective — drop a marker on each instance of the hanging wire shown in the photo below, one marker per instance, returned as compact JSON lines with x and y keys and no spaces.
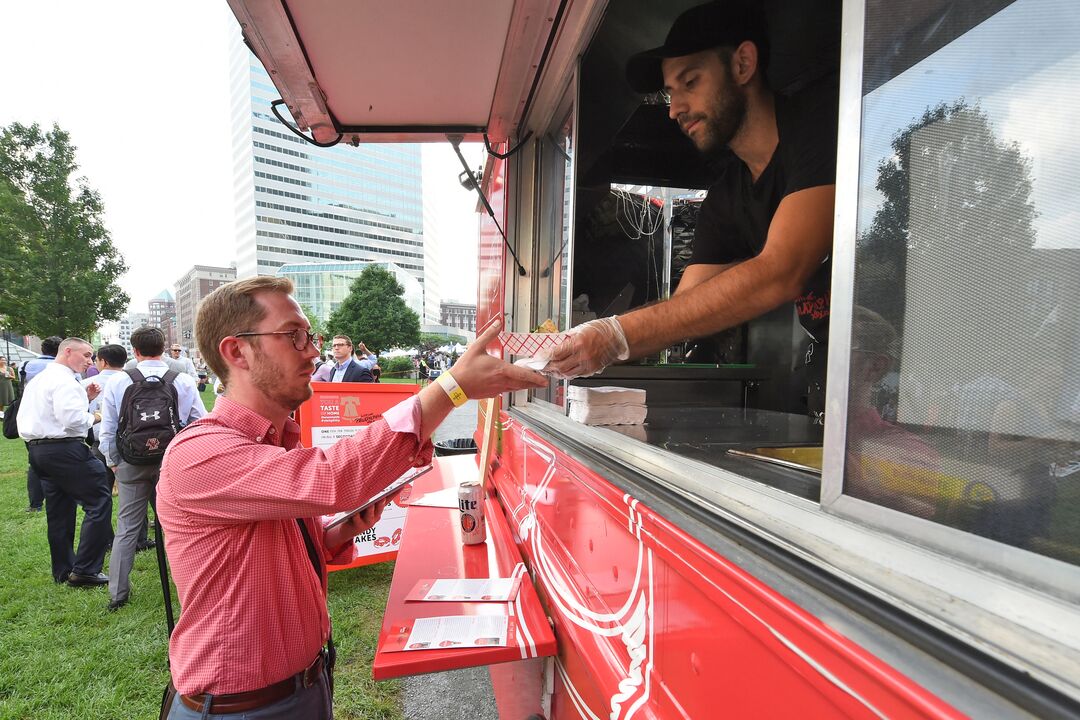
{"x":316,"y":143}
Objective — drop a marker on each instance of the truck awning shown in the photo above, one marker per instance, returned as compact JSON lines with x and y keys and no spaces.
{"x":408,"y":70}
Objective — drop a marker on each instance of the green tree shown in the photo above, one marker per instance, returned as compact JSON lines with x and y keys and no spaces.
{"x":950,"y":249}
{"x":317,"y":325}
{"x":375,"y":313}
{"x":972,"y":210}
{"x":430,"y":342}
{"x":59,"y":267}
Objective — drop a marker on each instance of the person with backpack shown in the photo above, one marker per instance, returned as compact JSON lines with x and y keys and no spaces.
{"x":142,"y":411}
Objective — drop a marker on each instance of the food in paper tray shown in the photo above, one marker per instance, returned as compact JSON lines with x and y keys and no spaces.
{"x":530,"y":344}
{"x":546,"y":327}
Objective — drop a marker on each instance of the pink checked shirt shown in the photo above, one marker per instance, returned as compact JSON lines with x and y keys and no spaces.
{"x":253,"y":609}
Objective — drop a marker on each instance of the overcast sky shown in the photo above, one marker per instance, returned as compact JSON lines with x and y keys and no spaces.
{"x":142,"y":89}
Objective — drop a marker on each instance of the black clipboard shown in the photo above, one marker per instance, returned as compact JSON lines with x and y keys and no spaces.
{"x":381,"y":495}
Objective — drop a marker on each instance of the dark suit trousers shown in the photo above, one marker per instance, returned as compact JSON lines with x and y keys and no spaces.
{"x":71,"y":476}
{"x":33,"y":487}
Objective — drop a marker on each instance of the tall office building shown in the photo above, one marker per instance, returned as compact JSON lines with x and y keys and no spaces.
{"x":163,"y":314}
{"x":197,"y":283}
{"x":298,"y":203}
{"x":458,"y":315}
{"x":432,"y":289}
{"x":129,"y":324}
{"x":322,"y":287}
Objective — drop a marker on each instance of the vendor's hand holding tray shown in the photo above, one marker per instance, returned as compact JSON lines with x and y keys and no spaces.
{"x":386,"y":492}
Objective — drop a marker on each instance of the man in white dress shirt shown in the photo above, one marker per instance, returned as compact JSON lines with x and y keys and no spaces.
{"x":137,"y":483}
{"x":54,"y":420}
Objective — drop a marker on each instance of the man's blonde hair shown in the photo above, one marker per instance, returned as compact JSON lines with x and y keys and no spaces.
{"x":71,"y":342}
{"x":229,"y":310}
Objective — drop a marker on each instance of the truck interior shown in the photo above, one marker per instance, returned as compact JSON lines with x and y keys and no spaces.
{"x":953,"y":428}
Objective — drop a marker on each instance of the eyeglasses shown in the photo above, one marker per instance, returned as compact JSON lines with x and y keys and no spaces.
{"x":300,"y":338}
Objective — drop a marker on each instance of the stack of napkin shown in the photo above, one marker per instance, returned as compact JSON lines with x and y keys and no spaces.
{"x":607,"y":405}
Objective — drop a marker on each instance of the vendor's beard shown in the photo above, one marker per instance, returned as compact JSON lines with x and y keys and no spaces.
{"x":724,"y":121}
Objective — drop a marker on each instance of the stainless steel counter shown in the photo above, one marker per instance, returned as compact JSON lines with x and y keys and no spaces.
{"x":707,"y":433}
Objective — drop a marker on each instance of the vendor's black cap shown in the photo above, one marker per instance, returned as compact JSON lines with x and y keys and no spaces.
{"x":715,"y":24}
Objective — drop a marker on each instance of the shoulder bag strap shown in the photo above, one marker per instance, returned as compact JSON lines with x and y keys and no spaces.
{"x":313,"y":555}
{"x":163,"y":570}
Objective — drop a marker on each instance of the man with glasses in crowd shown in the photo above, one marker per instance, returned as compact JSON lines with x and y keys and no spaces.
{"x":188,"y":367}
{"x":240,"y":501}
{"x":346,"y":367}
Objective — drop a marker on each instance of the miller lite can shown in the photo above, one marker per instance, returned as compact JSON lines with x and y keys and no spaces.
{"x":471,"y":505}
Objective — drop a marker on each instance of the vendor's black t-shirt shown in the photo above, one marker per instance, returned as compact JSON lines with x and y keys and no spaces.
{"x":735,"y":216}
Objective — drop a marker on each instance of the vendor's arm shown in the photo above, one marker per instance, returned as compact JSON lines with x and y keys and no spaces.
{"x":698,"y":273}
{"x":799,"y":240}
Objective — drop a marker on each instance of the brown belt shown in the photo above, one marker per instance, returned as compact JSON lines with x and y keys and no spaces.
{"x":254,"y":699}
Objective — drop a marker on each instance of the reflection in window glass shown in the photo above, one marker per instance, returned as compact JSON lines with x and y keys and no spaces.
{"x":554,"y":239}
{"x":965,"y":363}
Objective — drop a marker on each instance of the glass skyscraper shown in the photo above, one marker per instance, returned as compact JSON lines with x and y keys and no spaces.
{"x":321,"y":287}
{"x":297,"y":203}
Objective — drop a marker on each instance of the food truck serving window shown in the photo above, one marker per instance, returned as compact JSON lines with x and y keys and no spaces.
{"x":948,"y":467}
{"x":963,"y":392}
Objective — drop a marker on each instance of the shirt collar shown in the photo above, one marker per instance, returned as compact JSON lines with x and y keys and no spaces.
{"x":65,"y":368}
{"x":253,"y":425}
{"x":344,"y":364}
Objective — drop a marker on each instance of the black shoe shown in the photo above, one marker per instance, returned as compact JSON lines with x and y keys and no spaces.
{"x":148,"y":545}
{"x":77,"y":580}
{"x":33,"y":509}
{"x":115,"y":605}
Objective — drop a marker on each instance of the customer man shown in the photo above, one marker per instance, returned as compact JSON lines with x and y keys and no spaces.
{"x":29,"y":370}
{"x":239,"y":500}
{"x":109,"y":360}
{"x":137,"y":482}
{"x":764,"y":233}
{"x":345,"y":367}
{"x":175,"y":352}
{"x":54,"y":420}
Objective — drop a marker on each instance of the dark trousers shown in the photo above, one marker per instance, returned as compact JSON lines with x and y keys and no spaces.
{"x":71,"y":476}
{"x":33,"y":487}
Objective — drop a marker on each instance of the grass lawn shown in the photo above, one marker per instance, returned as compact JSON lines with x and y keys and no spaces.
{"x":63,"y":656}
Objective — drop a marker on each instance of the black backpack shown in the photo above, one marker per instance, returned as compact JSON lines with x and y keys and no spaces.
{"x":149,"y":418}
{"x":11,"y":413}
{"x":11,"y":425}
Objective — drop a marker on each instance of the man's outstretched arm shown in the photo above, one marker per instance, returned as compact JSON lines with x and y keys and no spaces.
{"x":799,"y":240}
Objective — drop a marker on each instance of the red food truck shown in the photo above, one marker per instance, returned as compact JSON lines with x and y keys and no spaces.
{"x":912,"y":551}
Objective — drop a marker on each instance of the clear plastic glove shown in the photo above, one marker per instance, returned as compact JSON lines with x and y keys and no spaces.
{"x":589,"y":349}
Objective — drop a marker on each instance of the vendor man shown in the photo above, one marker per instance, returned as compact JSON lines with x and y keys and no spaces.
{"x":239,"y":500}
{"x":764,"y":233}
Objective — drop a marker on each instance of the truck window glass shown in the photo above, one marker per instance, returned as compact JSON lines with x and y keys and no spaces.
{"x":964,"y":391}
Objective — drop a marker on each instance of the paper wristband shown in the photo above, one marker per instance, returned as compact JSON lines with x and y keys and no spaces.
{"x":447,"y":382}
